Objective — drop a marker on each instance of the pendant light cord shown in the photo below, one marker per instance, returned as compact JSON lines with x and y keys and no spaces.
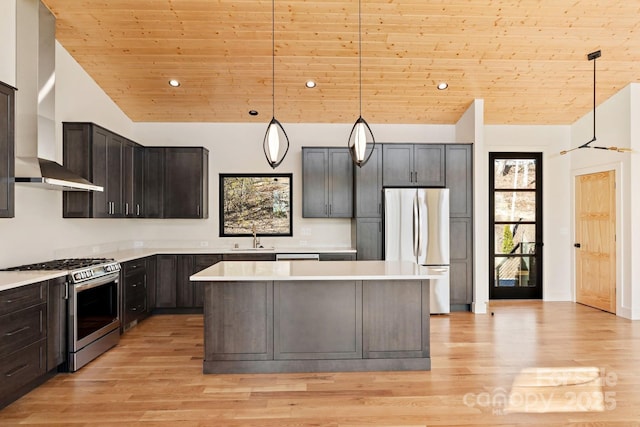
{"x":360,"y":50}
{"x":273,"y":57}
{"x":594,"y":98}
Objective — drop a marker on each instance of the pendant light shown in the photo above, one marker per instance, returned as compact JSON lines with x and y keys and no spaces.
{"x":592,"y":57}
{"x":361,"y":132}
{"x":276,"y":142}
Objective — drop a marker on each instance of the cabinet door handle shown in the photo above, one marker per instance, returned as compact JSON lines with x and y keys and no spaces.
{"x":15,"y":370}
{"x":138,"y":209}
{"x":326,"y":209}
{"x":11,"y":301}
{"x":126,"y":209}
{"x":416,"y":176}
{"x":198,"y":210}
{"x":329,"y":209}
{"x":16,"y":331}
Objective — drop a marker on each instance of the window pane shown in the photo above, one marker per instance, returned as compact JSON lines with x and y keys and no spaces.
{"x":514,"y":173}
{"x":515,"y":271}
{"x":515,"y":206}
{"x":515,"y":238}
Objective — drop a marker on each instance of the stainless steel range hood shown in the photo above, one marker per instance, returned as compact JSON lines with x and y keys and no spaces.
{"x":35,"y":103}
{"x":50,"y":175}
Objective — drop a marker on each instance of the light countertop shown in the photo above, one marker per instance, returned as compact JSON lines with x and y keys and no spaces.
{"x":14,"y":279}
{"x":316,"y":270}
{"x":131,"y":254}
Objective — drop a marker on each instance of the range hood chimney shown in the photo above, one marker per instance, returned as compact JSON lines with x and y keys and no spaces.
{"x":35,"y":103}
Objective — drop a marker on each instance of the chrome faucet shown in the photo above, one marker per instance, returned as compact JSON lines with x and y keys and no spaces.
{"x":255,"y":238}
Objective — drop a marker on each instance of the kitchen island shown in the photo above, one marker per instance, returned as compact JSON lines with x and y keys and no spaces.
{"x":311,"y":316}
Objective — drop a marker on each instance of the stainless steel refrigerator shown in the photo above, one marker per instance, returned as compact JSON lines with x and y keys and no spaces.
{"x":416,"y":228}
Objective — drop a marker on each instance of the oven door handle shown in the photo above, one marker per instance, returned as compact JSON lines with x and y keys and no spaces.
{"x":95,"y":283}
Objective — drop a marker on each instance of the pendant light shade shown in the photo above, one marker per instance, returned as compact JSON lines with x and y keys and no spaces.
{"x":361,"y":134}
{"x":276,"y":141}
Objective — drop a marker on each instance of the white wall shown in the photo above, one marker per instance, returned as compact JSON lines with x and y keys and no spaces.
{"x":556,"y":220}
{"x":8,"y":42}
{"x":613,"y":128}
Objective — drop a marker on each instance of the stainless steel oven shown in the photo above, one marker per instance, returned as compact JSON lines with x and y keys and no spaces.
{"x":94,"y":312}
{"x":93,"y":321}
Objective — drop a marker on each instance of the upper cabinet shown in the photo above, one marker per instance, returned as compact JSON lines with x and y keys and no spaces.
{"x":139,"y":182}
{"x":327,"y":183}
{"x":368,"y":186}
{"x":186,"y":179}
{"x":7,"y":160}
{"x":413,"y":165}
{"x":459,"y":179}
{"x":106,"y":159}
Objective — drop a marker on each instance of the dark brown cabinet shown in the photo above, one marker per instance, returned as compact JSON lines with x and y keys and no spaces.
{"x":139,"y":182}
{"x":327,"y":183}
{"x":176,"y":182}
{"x":7,"y":143}
{"x":108,"y":160}
{"x":368,"y":187}
{"x":57,"y":323}
{"x":133,"y":180}
{"x":174,"y":290}
{"x":413,"y":165}
{"x":459,"y":179}
{"x":368,"y":238}
{"x":23,"y":339}
{"x":335,"y":256}
{"x":186,"y":180}
{"x":153,"y":182}
{"x":166,"y":270}
{"x":135,"y":306}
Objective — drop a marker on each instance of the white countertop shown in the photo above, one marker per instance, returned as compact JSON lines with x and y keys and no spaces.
{"x":14,"y":279}
{"x":315,"y":270}
{"x":130,"y":254}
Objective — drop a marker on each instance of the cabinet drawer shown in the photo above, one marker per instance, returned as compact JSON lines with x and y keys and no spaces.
{"x":20,"y":368}
{"x":22,"y":328}
{"x":22,"y":297}
{"x":135,"y":266}
{"x":136,"y":306}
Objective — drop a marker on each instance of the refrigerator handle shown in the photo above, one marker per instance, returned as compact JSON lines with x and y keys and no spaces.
{"x":416,"y":226}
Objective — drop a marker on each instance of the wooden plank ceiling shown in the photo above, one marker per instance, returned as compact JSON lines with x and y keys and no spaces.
{"x":527,"y":59}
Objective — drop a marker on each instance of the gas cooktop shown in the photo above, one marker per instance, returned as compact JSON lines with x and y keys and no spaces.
{"x":62,"y":264}
{"x":80,"y":269}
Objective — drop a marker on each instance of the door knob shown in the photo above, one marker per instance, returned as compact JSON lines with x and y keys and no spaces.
{"x":577,"y":245}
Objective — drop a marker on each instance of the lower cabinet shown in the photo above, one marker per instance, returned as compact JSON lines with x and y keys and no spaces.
{"x":334,"y":256}
{"x":23,"y":340}
{"x":135,"y":305}
{"x":311,"y":325}
{"x":57,"y":323}
{"x":173,"y":289}
{"x":368,"y":238}
{"x":461,"y":263}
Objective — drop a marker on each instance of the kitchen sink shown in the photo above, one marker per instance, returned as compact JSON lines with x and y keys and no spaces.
{"x":253,"y":249}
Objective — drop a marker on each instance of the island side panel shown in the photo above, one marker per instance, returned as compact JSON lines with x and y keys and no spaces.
{"x":396,"y":319}
{"x":317,"y":320}
{"x":238,"y":319}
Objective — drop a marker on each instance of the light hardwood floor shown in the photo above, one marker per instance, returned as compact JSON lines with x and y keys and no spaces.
{"x":153,"y":378}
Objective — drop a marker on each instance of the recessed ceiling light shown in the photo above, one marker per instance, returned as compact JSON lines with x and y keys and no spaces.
{"x":310,"y":84}
{"x":174,"y":83}
{"x":443,"y":85}
{"x":253,"y":113}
